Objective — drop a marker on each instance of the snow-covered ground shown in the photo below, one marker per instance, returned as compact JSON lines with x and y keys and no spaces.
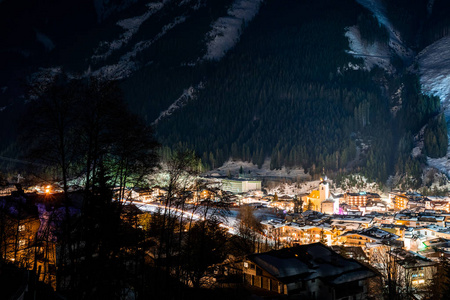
{"x":372,"y":54}
{"x":434,"y":71}
{"x":356,"y":183}
{"x":233,"y":166}
{"x":226,"y":30}
{"x":294,"y":189}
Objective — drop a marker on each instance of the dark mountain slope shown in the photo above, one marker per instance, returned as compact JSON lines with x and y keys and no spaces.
{"x":288,"y":90}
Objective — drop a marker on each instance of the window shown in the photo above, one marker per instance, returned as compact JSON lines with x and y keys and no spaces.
{"x":22,"y":243}
{"x":22,"y":228}
{"x":245,"y":265}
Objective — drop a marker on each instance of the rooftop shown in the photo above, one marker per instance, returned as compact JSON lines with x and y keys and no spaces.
{"x":309,"y":262}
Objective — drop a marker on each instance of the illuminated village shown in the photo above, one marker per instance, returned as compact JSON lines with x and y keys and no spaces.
{"x":351,"y":243}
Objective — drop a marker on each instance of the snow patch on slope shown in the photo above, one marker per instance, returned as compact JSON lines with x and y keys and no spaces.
{"x":233,"y":166}
{"x":442,"y":164}
{"x":395,"y":41}
{"x":434,"y":71}
{"x":131,"y":26}
{"x":372,"y":54}
{"x":188,"y":94}
{"x":126,"y":64}
{"x":226,"y":31}
{"x":377,"y":54}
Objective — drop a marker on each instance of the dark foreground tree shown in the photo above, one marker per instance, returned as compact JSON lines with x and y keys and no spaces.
{"x":79,"y":132}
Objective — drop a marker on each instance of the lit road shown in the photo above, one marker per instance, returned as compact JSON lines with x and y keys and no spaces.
{"x":230,"y":220}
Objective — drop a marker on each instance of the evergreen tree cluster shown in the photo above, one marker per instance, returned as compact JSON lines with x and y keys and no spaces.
{"x":407,"y":17}
{"x":436,"y":138}
{"x":297,"y":107}
{"x":286,"y":93}
{"x":371,"y":30}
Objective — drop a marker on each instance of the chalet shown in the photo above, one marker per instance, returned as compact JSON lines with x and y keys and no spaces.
{"x":306,"y":234}
{"x":312,"y":271}
{"x":362,"y":237}
{"x":414,"y":271}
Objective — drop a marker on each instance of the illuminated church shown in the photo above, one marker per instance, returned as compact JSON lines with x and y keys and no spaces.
{"x":321,"y":199}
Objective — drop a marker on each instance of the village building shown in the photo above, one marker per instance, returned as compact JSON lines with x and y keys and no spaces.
{"x":363,"y":237}
{"x":315,"y":200}
{"x":413,"y":271}
{"x":238,"y":186}
{"x":312,"y":271}
{"x":360,"y":199}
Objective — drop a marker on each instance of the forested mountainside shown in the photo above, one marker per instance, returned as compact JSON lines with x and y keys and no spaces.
{"x":317,"y":84}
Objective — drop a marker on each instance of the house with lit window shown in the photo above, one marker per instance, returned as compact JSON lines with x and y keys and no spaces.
{"x":413,"y":271}
{"x":20,"y":222}
{"x":363,"y":237}
{"x":312,"y":271}
{"x":360,"y":199}
{"x":400,"y":202}
{"x":293,"y":233}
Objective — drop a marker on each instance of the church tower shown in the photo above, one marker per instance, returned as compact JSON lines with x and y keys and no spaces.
{"x":324,"y":189}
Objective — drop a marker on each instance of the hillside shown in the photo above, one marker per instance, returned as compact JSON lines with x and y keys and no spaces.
{"x":308,"y":84}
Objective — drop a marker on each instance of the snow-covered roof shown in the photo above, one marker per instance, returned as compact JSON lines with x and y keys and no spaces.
{"x":309,"y":262}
